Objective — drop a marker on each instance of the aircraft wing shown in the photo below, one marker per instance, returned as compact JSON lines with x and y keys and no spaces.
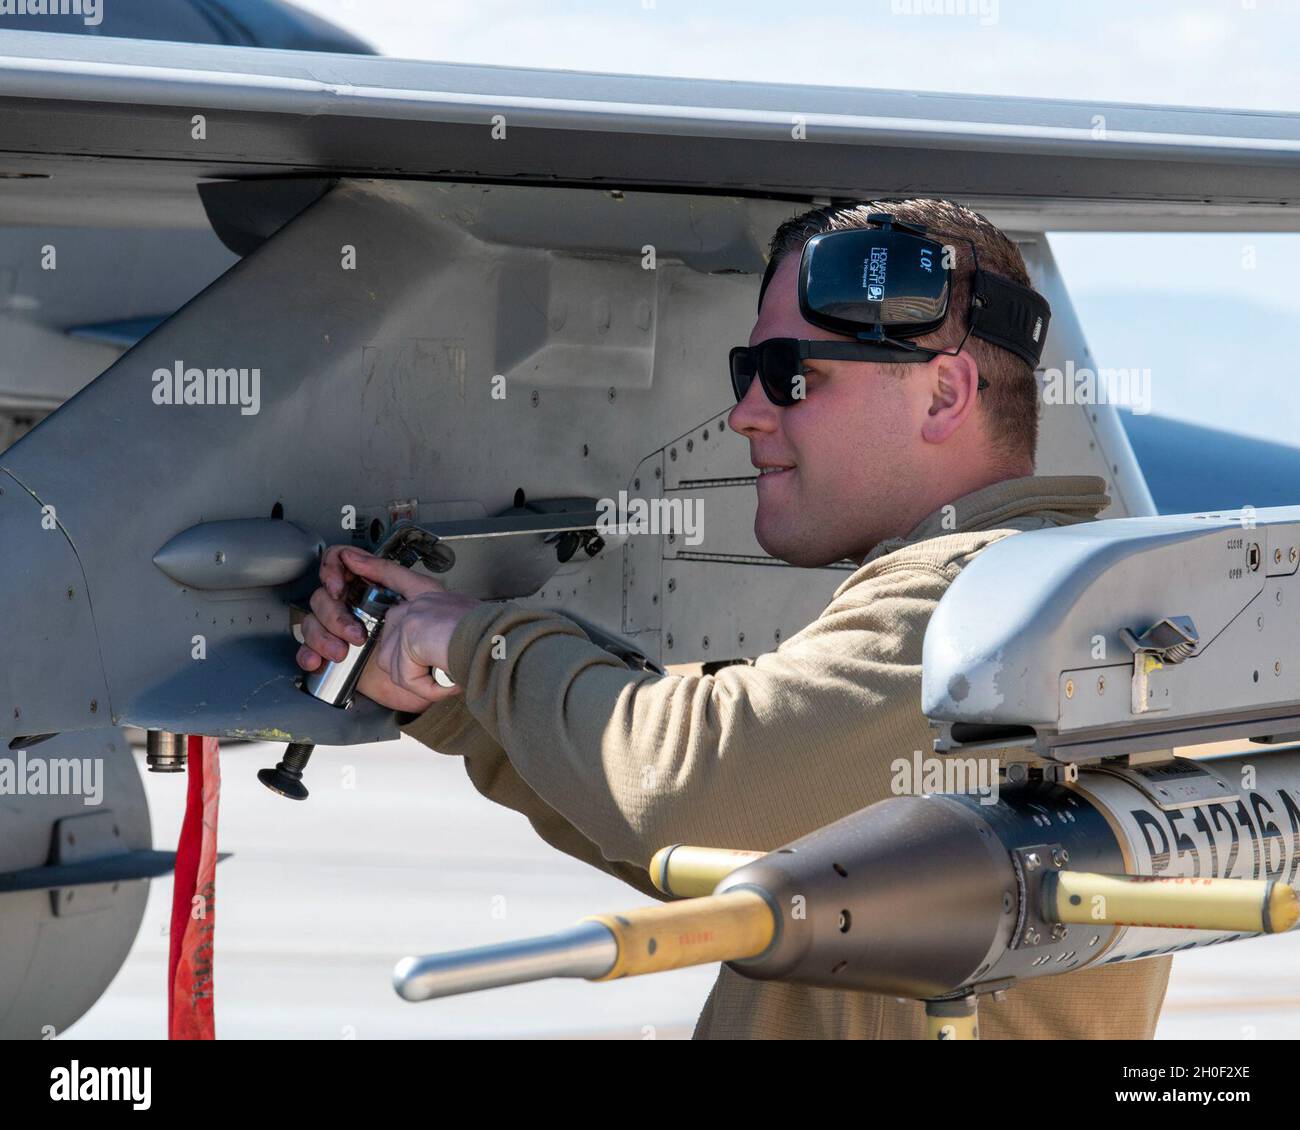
{"x":1033,"y":163}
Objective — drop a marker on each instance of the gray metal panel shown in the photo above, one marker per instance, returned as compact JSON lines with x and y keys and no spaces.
{"x":108,"y":274}
{"x":376,"y":389}
{"x":53,"y":678}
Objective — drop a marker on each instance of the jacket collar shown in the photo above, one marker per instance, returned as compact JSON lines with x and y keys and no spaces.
{"x":1074,"y":498}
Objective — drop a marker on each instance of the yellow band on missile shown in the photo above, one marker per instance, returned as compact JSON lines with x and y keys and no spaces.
{"x":687,"y":872}
{"x":1254,"y":906}
{"x":952,"y":1020}
{"x":653,"y":939}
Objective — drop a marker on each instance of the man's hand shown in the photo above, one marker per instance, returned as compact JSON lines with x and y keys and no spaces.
{"x":415,"y":636}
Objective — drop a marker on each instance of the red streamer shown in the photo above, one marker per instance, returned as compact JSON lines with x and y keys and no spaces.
{"x":193,"y":928}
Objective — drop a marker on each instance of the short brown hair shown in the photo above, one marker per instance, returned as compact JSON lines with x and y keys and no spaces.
{"x":1011,"y":400}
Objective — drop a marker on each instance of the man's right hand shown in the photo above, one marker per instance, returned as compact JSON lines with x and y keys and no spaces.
{"x":330,"y":627}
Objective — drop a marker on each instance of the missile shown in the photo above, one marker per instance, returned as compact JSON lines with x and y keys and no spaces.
{"x":684,"y":871}
{"x":602,"y":948}
{"x":945,"y":897}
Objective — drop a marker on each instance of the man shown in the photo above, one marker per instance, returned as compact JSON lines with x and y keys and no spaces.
{"x":908,"y":468}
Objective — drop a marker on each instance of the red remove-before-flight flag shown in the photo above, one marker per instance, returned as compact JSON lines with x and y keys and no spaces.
{"x":194,"y":900}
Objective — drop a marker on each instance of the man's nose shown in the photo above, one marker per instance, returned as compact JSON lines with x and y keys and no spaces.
{"x":755,"y":413}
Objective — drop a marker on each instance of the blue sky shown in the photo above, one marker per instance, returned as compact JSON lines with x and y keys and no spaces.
{"x":1211,"y":315}
{"x":1233,"y":53}
{"x":1219,"y":337}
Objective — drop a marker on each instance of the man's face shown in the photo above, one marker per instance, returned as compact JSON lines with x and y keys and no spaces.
{"x":848,"y":449}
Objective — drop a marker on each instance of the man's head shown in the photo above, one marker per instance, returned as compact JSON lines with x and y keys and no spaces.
{"x":872,"y":448}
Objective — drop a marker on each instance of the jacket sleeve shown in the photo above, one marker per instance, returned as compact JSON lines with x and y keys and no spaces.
{"x":751,"y":757}
{"x":448,"y":727}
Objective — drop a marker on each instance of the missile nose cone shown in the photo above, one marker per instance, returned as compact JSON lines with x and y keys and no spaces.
{"x":403,"y":973}
{"x":908,"y":902}
{"x":585,"y":950}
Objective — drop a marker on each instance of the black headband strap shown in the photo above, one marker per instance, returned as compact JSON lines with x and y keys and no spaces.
{"x":1010,"y":315}
{"x":1005,"y":313}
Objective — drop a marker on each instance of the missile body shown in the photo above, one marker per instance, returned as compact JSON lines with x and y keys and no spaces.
{"x":935,"y":896}
{"x":943,"y":897}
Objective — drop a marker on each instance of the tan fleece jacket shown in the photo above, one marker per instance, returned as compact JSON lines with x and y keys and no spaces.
{"x":611,"y":764}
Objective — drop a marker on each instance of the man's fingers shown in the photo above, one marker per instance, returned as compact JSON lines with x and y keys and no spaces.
{"x":332,"y":573}
{"x":376,"y":685}
{"x":429,"y":689}
{"x":391,"y":656}
{"x":381,"y":658}
{"x":388,"y":573}
{"x":334,"y":616}
{"x":322,"y":641}
{"x":393,"y":676}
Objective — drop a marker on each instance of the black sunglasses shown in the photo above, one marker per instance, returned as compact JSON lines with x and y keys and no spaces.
{"x":778,"y":362}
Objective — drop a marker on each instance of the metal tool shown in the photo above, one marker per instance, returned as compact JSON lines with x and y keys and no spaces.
{"x":334,"y":681}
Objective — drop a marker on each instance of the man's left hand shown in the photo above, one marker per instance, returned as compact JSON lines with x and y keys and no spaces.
{"x":416,"y":634}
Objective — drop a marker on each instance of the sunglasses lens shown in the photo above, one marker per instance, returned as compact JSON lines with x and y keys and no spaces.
{"x":778,"y":365}
{"x":775,"y":362}
{"x":742,"y":371}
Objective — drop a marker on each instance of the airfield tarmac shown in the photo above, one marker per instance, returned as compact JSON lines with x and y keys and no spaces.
{"x":321,"y":898}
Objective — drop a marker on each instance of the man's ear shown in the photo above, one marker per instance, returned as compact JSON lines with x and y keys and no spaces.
{"x":954,"y":392}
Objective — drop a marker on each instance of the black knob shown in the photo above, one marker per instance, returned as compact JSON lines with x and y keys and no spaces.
{"x":286,"y":777}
